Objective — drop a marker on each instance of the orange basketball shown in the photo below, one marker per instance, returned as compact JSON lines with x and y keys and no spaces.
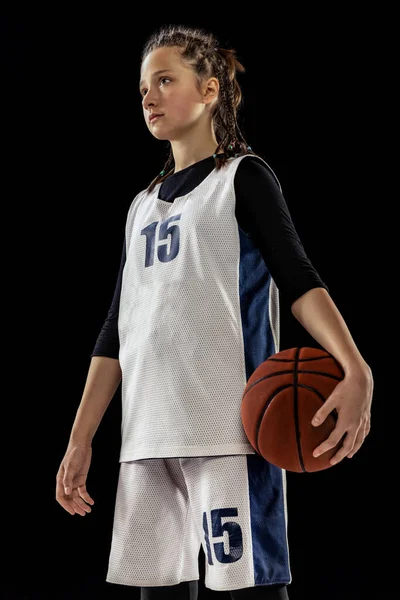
{"x":279,"y":401}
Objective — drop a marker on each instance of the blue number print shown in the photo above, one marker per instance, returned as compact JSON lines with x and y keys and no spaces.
{"x":234,"y":532}
{"x":165,"y":230}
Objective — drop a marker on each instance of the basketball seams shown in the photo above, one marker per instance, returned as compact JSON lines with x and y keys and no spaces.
{"x":289,"y":372}
{"x":296,"y":410}
{"x":262,"y":413}
{"x":296,"y":385}
{"x":334,"y":413}
{"x":299,"y":359}
{"x":275,"y":393}
{"x":278,"y":419}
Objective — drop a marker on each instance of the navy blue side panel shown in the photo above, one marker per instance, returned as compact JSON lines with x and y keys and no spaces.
{"x":268,"y":522}
{"x":254,"y":291}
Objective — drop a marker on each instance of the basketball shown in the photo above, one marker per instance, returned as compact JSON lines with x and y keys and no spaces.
{"x":279,"y":401}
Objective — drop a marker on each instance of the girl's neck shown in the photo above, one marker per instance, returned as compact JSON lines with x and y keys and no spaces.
{"x":189,"y":153}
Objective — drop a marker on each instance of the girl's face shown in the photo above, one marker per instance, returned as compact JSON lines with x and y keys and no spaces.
{"x":168,"y":88}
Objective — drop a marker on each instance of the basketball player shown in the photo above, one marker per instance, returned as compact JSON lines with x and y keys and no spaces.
{"x":196,"y":309}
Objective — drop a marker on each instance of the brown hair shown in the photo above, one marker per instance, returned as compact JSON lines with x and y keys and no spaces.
{"x":200,"y":50}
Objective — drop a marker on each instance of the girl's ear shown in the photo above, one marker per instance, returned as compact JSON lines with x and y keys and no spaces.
{"x":210,"y":90}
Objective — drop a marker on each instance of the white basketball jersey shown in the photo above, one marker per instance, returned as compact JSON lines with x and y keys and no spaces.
{"x":198,"y":313}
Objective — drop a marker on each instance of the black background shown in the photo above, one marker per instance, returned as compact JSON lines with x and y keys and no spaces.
{"x":77,"y":152}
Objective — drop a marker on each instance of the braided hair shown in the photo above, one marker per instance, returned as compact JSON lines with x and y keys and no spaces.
{"x":200,"y":50}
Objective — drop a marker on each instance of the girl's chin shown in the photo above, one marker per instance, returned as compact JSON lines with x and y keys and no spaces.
{"x":160,"y":136}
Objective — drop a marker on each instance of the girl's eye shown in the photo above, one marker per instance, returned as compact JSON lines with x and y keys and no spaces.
{"x":144,"y":91}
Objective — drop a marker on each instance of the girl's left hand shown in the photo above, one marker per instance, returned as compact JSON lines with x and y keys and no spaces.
{"x":352,"y":398}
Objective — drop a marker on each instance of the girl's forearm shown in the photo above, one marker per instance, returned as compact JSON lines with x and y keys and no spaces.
{"x":318,"y":314}
{"x":103,"y":379}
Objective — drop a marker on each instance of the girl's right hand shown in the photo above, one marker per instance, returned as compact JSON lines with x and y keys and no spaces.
{"x":71,"y":490}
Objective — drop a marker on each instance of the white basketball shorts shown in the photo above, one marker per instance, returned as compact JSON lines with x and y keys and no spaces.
{"x":166,"y":508}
